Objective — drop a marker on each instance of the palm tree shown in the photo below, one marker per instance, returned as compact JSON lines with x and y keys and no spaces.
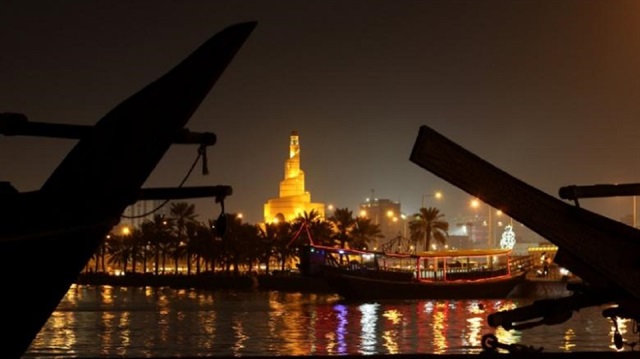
{"x":192,"y":239}
{"x":199,"y":244}
{"x":182,"y":213}
{"x":364,"y":231}
{"x":231,"y":244}
{"x":157,"y":234}
{"x":429,"y":224}
{"x":136,"y":244}
{"x":103,"y":253}
{"x":147,"y":233}
{"x":99,"y":255}
{"x":343,"y":223}
{"x":251,"y":245}
{"x":284,"y":234}
{"x":213,"y":250}
{"x":120,"y":251}
{"x":268,"y":235}
{"x":318,"y":229}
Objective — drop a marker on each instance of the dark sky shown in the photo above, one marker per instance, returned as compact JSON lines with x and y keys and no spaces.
{"x":548,"y":91}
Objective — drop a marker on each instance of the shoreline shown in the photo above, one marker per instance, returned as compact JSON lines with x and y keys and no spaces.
{"x":531,"y":288}
{"x":210,"y":281}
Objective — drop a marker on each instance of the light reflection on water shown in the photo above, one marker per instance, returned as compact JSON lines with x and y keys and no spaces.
{"x":134,"y":322}
{"x":368,"y":325}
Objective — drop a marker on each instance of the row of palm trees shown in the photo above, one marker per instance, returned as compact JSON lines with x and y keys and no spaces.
{"x":167,"y":242}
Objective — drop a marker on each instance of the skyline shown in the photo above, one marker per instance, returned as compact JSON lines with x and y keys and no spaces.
{"x":548,"y":91}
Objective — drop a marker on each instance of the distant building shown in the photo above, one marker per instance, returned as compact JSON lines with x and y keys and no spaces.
{"x":293,"y":199}
{"x":387,"y":215}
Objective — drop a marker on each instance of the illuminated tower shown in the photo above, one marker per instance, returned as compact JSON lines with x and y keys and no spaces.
{"x":293,"y":199}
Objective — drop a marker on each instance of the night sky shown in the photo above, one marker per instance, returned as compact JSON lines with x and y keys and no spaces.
{"x":548,"y":91}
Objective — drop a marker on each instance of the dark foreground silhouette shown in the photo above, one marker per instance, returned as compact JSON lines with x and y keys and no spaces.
{"x":601,"y":251}
{"x":84,"y":197}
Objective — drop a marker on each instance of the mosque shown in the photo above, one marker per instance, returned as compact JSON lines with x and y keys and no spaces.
{"x":293,"y":200}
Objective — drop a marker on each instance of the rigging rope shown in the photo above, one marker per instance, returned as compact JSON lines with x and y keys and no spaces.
{"x":295,"y":236}
{"x":201,"y":153}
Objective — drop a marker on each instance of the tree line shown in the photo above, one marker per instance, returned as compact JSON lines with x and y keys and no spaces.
{"x":165,"y":242}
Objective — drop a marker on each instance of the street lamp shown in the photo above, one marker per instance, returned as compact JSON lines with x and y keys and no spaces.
{"x":499,"y":214}
{"x":126,"y":231}
{"x":436,"y":195}
{"x":475,"y":203}
{"x":404,"y":225}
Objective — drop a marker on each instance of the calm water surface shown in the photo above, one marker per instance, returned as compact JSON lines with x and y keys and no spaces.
{"x":164,"y":322}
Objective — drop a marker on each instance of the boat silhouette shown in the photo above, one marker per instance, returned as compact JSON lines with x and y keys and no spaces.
{"x":601,"y":251}
{"x":447,"y":274}
{"x":52,"y":232}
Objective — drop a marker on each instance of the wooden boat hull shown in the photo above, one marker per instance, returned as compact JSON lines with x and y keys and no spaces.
{"x":358,"y":287}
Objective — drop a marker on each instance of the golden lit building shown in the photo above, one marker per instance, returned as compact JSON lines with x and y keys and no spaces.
{"x":293,"y":200}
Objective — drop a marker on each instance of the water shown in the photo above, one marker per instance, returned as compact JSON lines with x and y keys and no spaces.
{"x":163,"y":322}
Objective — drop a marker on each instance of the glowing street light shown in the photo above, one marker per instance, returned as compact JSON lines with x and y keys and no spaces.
{"x":404,"y":224}
{"x":499,"y":213}
{"x":475,"y":203}
{"x":436,"y":195}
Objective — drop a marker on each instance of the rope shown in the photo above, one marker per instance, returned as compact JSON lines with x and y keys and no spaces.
{"x":306,"y":228}
{"x":201,"y":153}
{"x":297,"y":233}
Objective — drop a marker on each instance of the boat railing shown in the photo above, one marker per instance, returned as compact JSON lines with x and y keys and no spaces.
{"x":521,"y":263}
{"x":397,"y":265}
{"x":394,"y":269}
{"x":453,"y":274}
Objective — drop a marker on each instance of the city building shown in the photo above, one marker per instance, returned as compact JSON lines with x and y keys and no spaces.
{"x":293,"y":199}
{"x":387,"y":215}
